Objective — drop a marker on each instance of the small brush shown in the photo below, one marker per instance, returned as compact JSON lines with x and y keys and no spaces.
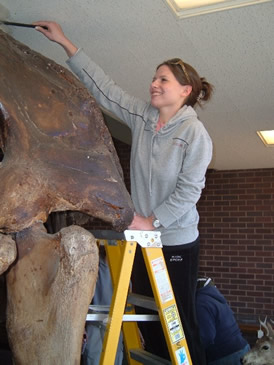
{"x":5,"y":14}
{"x":20,"y":24}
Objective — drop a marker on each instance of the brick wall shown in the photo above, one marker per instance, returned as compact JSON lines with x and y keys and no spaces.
{"x":123,"y":152}
{"x":237,"y":235}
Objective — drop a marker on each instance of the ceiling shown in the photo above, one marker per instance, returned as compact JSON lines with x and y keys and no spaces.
{"x":233,"y":49}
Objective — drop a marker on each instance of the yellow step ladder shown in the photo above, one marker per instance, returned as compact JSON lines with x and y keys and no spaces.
{"x":120,"y":255}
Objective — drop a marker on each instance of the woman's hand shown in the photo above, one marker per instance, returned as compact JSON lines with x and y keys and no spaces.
{"x":54,"y":32}
{"x":141,"y":223}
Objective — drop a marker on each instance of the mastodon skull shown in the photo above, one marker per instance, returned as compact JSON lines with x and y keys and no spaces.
{"x":58,"y":153}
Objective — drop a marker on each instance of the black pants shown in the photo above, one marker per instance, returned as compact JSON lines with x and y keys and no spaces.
{"x":182,"y":264}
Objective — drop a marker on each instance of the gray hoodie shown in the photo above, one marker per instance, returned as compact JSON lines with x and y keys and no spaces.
{"x":167,"y":167}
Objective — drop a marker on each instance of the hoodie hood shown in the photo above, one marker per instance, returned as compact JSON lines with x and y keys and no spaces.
{"x":185,"y":113}
{"x":210,"y":291}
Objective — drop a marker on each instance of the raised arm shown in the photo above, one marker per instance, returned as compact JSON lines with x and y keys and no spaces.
{"x":55,"y":33}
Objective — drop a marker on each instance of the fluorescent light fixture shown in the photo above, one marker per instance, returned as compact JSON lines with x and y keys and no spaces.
{"x":267,"y":137}
{"x":188,"y":8}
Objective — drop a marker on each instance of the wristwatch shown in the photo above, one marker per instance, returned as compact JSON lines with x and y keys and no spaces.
{"x":156,"y":223}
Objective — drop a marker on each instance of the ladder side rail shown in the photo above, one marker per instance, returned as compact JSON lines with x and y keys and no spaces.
{"x":120,"y":258}
{"x":167,"y":307}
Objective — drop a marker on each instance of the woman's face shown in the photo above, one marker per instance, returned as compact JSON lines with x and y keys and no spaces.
{"x":166,"y":91}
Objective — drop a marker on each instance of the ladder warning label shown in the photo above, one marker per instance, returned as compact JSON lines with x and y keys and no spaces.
{"x":182,"y":356}
{"x":173,"y":324}
{"x":161,"y":277}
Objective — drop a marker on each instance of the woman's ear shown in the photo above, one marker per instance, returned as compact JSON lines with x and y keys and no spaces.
{"x":186,"y":90}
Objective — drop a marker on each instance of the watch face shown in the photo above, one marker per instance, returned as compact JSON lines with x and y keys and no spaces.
{"x":156,"y":223}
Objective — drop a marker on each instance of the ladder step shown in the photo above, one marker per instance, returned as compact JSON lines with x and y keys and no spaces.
{"x":100,"y":313}
{"x":142,"y":301}
{"x":103,"y":317}
{"x":147,"y":358}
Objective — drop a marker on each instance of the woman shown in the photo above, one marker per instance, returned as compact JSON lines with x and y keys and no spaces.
{"x":170,"y":154}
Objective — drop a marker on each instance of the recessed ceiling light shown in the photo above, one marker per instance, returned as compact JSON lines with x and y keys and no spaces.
{"x":187,"y":8}
{"x":267,"y":137}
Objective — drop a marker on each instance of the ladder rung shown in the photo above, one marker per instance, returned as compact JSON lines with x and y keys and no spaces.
{"x":103,"y":317}
{"x":93,"y":308}
{"x":147,"y":358}
{"x":142,"y":301}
